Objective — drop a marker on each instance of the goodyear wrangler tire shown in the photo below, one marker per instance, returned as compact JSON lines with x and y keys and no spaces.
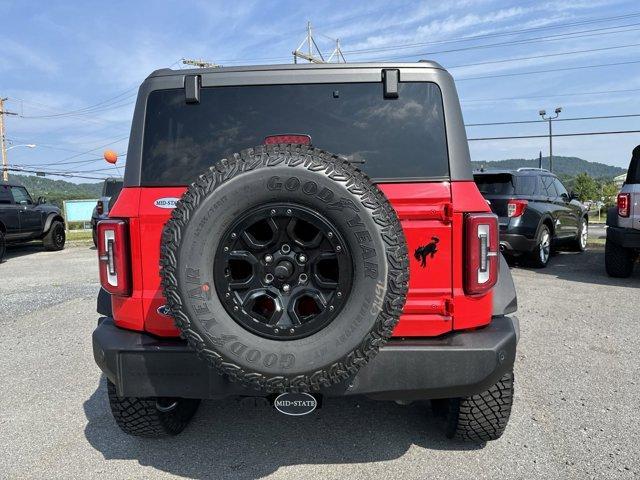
{"x":285,"y":268}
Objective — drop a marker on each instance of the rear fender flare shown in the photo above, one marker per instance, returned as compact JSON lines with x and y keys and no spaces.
{"x":50,"y":219}
{"x":505,"y":300}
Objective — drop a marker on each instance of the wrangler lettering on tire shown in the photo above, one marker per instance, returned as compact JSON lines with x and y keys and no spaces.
{"x":293,"y":282}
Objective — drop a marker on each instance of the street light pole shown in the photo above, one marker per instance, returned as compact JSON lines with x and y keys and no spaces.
{"x":550,"y":119}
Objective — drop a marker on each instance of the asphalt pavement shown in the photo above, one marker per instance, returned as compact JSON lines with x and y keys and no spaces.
{"x":576,"y":412}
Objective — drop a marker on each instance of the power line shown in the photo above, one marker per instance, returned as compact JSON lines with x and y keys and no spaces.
{"x":497,"y":34}
{"x":551,"y":70}
{"x":559,"y":54}
{"x":532,"y":97}
{"x":464,"y":39}
{"x":541,"y":39}
{"x":570,"y":119}
{"x":68,"y":175}
{"x":577,"y":134}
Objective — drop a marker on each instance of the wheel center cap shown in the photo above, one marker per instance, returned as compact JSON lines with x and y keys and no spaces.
{"x":283,"y":270}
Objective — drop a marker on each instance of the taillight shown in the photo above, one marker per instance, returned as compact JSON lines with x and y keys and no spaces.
{"x":100,"y":207}
{"x":289,"y":138}
{"x":624,"y":204}
{"x":481,"y":252}
{"x":113,"y":256}
{"x":515,"y":208}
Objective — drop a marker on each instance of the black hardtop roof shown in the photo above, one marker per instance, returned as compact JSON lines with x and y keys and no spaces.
{"x":295,"y":66}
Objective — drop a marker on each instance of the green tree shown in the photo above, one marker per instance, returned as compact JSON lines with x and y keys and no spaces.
{"x":586,"y":187}
{"x":609,"y":192}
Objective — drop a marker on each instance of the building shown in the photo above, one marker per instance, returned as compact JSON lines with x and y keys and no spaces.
{"x":619,"y":180}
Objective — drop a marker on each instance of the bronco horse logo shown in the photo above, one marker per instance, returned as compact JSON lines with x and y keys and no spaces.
{"x":425,"y":251}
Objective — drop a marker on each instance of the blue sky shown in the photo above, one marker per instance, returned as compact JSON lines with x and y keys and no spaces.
{"x":60,"y":57}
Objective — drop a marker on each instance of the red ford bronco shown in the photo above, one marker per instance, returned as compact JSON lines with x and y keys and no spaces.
{"x":293,"y":232}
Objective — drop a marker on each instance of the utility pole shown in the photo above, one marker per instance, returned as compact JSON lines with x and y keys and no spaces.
{"x":199,"y":63}
{"x":3,"y":140}
{"x":550,"y":119}
{"x":337,"y":52}
{"x":540,"y":159}
{"x":313,"y":54}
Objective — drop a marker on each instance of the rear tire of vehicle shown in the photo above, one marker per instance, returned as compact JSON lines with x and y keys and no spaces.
{"x":55,"y":238}
{"x":580,"y":243}
{"x":618,"y":261}
{"x":151,"y":417}
{"x":542,"y":253}
{"x":484,"y":416}
{"x":3,"y":246}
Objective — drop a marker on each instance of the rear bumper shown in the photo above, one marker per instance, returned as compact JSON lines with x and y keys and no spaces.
{"x":455,"y":365}
{"x":515,"y":243}
{"x":625,"y":237}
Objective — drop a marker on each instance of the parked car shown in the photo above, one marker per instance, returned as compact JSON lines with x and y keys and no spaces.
{"x":110,"y":190}
{"x":535,"y":212}
{"x":284,"y":269}
{"x":622,"y":246}
{"x":23,"y":220}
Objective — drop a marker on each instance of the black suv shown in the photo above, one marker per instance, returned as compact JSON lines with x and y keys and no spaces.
{"x":23,"y":220}
{"x":535,"y":212}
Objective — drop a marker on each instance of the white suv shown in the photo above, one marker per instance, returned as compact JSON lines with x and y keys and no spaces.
{"x":623,"y":235}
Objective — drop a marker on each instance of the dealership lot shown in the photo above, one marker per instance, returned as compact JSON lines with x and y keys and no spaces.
{"x":575,"y":416}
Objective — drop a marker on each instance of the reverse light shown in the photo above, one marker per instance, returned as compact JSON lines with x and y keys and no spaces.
{"x":100,"y":207}
{"x":481,"y":253}
{"x":515,"y":208}
{"x":113,"y":257}
{"x":289,"y":138}
{"x":624,"y":204}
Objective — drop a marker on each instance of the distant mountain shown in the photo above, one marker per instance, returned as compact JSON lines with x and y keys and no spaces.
{"x":56,"y":191}
{"x":562,"y":166}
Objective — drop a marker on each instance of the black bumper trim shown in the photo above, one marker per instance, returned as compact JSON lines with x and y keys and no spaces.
{"x":625,"y":237}
{"x":516,"y":243}
{"x":454,"y":365}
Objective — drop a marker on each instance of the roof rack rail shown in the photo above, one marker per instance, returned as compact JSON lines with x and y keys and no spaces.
{"x":524,"y":169}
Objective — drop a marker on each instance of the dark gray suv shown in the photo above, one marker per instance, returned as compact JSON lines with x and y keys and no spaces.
{"x":535,"y":212}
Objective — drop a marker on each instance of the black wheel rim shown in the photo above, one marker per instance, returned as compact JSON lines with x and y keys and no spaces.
{"x":58,"y":236}
{"x":283,"y":271}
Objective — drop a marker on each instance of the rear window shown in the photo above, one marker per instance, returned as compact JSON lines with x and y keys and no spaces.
{"x":401,"y":138}
{"x":633,"y":175}
{"x":111,"y":188}
{"x":5,"y":195}
{"x":498,"y":184}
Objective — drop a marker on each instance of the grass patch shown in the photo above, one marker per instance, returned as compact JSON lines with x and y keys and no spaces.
{"x":79,"y":236}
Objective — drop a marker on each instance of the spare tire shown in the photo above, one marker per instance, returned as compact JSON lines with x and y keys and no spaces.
{"x":285,"y":268}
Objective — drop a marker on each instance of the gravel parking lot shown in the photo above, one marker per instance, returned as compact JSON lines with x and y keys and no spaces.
{"x":576,"y":413}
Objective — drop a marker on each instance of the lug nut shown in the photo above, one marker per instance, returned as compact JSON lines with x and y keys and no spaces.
{"x":233,"y":235}
{"x":273,"y":212}
{"x":292,"y":330}
{"x":268,"y":258}
{"x":330,"y":234}
{"x":339,"y":294}
{"x":302,"y":278}
{"x":338,"y":248}
{"x":268,"y":278}
{"x":288,"y":211}
{"x":286,"y":287}
{"x":226,"y":249}
{"x":275,"y":330}
{"x":235,"y":309}
{"x":302,"y":258}
{"x":331,"y":308}
{"x":285,"y":248}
